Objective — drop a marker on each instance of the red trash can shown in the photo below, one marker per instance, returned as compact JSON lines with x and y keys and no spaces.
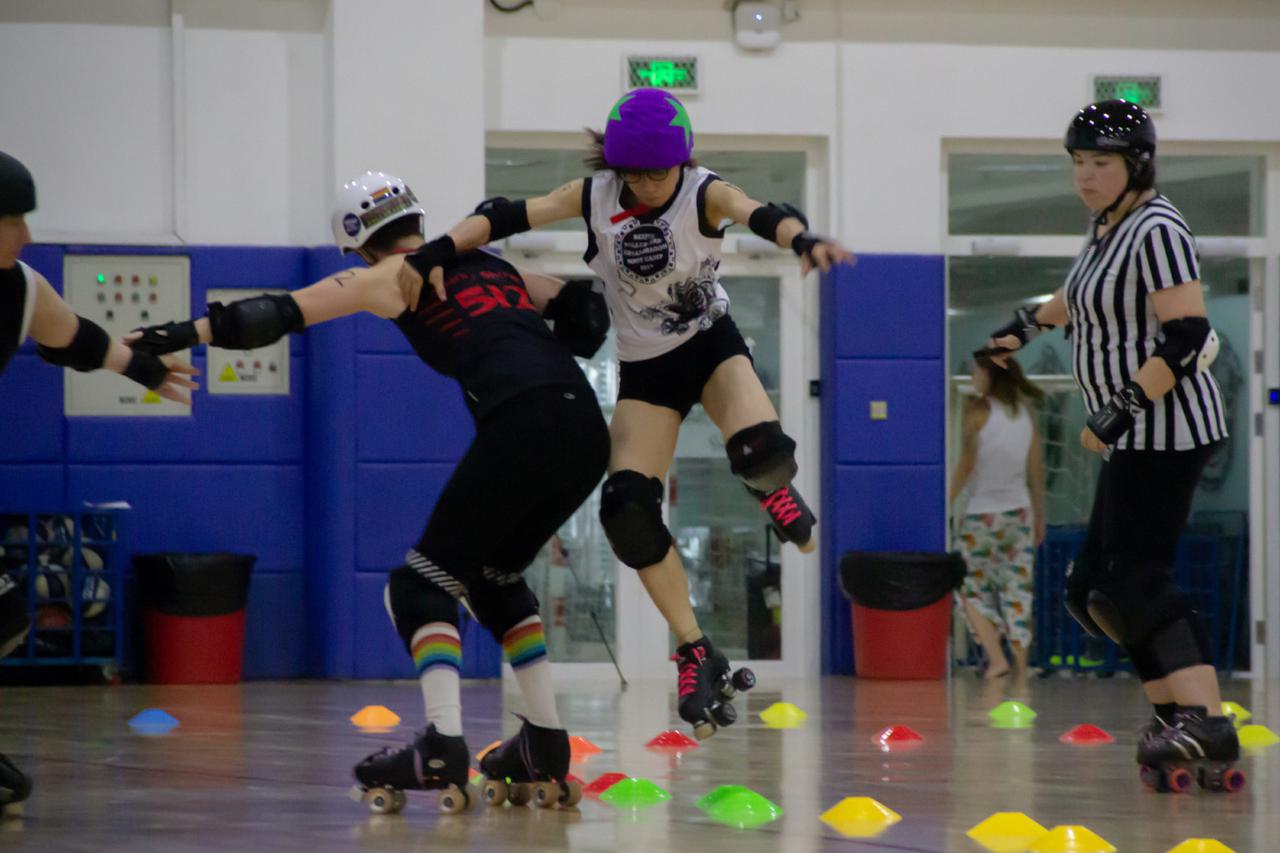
{"x":193,"y":611}
{"x":901,"y":604}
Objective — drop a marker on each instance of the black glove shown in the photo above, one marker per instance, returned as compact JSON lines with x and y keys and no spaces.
{"x":1023,"y":326}
{"x":166,"y":338}
{"x":432,"y":254}
{"x":146,"y":369}
{"x":1117,"y":417}
{"x":580,"y":317}
{"x":802,"y":244}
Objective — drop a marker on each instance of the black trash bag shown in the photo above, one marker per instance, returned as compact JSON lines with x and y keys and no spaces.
{"x":194,"y":584}
{"x":899,"y":580}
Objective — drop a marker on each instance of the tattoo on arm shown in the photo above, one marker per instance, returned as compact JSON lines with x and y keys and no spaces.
{"x":345,"y":275}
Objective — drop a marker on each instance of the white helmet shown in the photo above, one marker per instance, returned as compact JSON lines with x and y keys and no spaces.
{"x":368,"y":202}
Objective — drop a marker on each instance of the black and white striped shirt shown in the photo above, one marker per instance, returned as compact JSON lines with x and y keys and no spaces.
{"x":1115,"y":328}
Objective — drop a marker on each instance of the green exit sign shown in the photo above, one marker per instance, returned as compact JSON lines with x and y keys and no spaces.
{"x":1143,"y":91}
{"x":675,"y":73}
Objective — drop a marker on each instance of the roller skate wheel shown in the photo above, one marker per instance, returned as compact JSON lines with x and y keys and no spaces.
{"x":546,"y":795}
{"x":743,"y":680}
{"x":1233,"y":780}
{"x":381,"y":801}
{"x":401,"y":799}
{"x":1178,"y":780}
{"x":454,"y":800}
{"x":494,"y":792}
{"x":724,"y":715}
{"x":704,"y":730}
{"x":1152,"y":778}
{"x":570,"y":795}
{"x":520,"y":794}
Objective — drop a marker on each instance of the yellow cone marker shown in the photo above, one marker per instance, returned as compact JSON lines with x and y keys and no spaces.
{"x":375,"y":717}
{"x":1007,"y":832}
{"x":1240,"y":712}
{"x":860,"y":817}
{"x":1257,"y":737}
{"x":783,"y":715}
{"x":1071,"y":839}
{"x":1202,"y":845}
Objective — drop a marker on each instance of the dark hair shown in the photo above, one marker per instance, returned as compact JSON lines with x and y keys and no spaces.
{"x":383,"y":240}
{"x":595,"y":154}
{"x":1143,"y":174}
{"x":1010,"y":385}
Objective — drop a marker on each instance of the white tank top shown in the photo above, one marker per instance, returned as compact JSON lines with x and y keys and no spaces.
{"x":999,"y":482}
{"x":660,"y":269}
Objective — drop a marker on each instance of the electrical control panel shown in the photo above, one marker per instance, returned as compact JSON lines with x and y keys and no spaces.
{"x":121,"y":293}
{"x":255,"y":371}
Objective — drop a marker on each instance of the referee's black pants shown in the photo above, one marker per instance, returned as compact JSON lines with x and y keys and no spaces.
{"x":1139,"y":510}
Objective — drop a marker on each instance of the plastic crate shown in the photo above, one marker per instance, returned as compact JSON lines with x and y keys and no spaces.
{"x":71,"y":565}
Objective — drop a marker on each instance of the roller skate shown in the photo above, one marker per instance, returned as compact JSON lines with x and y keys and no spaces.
{"x":706,"y":687}
{"x":789,"y":515}
{"x":433,"y":762}
{"x":14,"y":786}
{"x":532,"y":766}
{"x":1192,"y":748}
{"x":14,"y":622}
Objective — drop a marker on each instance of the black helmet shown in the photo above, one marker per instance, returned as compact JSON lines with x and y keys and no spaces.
{"x":1123,"y":128}
{"x":1114,"y":125}
{"x":17,"y":188}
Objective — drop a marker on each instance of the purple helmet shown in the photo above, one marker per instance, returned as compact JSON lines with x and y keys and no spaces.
{"x":647,"y":129}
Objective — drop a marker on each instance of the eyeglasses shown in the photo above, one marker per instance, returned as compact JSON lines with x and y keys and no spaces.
{"x":634,"y":176}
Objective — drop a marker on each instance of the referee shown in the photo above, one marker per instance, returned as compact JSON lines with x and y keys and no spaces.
{"x":1141,"y":349}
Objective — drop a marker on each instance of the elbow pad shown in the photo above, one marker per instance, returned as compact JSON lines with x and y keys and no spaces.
{"x":764,"y":221}
{"x":86,"y":352}
{"x":506,"y":217}
{"x":580,"y":317}
{"x":1189,"y":345}
{"x":256,"y":322}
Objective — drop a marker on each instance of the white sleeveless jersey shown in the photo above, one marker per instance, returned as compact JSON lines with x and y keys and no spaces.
{"x":999,"y":482}
{"x":660,"y":269}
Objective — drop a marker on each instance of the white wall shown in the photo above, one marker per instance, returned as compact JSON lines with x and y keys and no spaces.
{"x":278,"y":101}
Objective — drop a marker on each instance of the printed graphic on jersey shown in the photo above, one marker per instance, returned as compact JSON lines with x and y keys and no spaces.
{"x":645,"y":251}
{"x":691,"y":301}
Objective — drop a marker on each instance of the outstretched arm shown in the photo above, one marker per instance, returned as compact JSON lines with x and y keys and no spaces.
{"x":783,"y":225}
{"x":262,"y":320}
{"x":68,"y":340}
{"x":494,"y":219}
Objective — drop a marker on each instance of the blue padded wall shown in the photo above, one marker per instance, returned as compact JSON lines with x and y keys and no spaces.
{"x":230,"y":477}
{"x":883,"y":481}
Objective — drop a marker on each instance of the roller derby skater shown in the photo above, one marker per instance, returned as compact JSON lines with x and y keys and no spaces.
{"x":1142,"y":347}
{"x":541,"y":447}
{"x":655,"y":222}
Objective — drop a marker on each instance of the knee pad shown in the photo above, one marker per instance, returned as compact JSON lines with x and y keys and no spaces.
{"x":631,"y":514}
{"x":1076,"y":599}
{"x":1132,"y":601}
{"x":500,"y":601}
{"x":763,"y":456}
{"x":413,"y":600}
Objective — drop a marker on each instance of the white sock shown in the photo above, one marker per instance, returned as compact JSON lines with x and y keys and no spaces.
{"x":526,"y":651}
{"x":437,"y":652}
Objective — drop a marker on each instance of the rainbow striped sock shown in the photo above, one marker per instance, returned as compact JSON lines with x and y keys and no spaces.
{"x":437,"y":646}
{"x":525,"y":644}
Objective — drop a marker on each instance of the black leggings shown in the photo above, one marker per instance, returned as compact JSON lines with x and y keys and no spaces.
{"x":535,"y":459}
{"x":1139,"y":511}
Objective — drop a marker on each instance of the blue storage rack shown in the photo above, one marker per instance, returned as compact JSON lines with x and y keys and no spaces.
{"x":36,"y":547}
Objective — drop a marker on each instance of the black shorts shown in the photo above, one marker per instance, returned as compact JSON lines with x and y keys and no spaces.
{"x":675,"y":379}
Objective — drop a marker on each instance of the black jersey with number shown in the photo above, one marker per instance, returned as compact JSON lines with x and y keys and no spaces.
{"x":487,"y":334}
{"x":17,"y":301}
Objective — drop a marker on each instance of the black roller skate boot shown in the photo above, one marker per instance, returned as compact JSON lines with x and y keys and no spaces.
{"x":14,"y":622}
{"x":789,"y":515}
{"x":706,"y":687}
{"x":14,"y":786}
{"x":1194,"y":747}
{"x":433,"y":762}
{"x":532,"y":766}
